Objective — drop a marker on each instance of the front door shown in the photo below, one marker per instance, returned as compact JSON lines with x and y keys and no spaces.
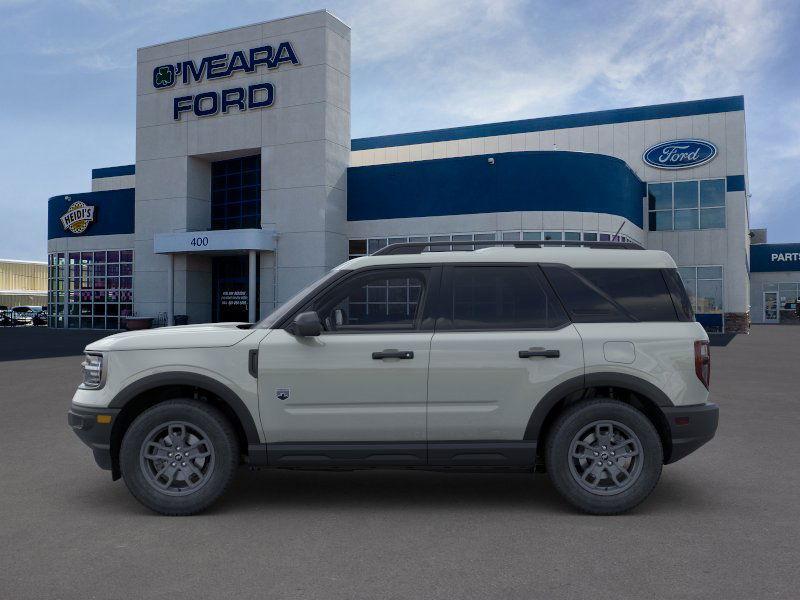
{"x":358,"y":391}
{"x":229,"y":283}
{"x":771,"y":307}
{"x":501,"y":343}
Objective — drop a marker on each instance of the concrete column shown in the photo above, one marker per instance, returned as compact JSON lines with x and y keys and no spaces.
{"x":251,"y":287}
{"x":170,"y":289}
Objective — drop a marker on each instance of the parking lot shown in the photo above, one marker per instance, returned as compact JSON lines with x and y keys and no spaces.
{"x":723,"y":523}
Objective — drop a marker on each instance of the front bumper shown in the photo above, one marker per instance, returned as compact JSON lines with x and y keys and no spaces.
{"x":690,"y":427}
{"x":93,"y":432}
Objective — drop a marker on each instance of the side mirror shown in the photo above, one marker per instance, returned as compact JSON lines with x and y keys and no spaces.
{"x":306,"y":324}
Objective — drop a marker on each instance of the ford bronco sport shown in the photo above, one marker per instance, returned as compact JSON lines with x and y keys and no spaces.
{"x":584,"y":362}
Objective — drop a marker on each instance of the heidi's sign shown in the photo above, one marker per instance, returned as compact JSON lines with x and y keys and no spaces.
{"x":78,"y":217}
{"x":679,"y":154}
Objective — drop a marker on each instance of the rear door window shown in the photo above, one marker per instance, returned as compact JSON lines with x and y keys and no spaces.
{"x":499,"y":298}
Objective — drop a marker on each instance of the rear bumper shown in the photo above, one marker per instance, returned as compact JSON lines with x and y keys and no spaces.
{"x":83,"y":421}
{"x":690,"y":427}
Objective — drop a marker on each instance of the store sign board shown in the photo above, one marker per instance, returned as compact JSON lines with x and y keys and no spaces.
{"x":679,"y":154}
{"x":78,"y":217}
{"x":220,"y":66}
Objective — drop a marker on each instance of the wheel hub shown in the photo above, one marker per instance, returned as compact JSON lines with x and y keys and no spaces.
{"x":605,"y":457}
{"x":177,"y":458}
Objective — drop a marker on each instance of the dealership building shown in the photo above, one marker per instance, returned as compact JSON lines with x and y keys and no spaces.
{"x":247,"y":186}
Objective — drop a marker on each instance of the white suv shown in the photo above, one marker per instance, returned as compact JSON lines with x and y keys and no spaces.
{"x":585,"y":362}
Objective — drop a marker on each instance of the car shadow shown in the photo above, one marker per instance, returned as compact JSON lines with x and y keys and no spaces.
{"x":397,"y":490}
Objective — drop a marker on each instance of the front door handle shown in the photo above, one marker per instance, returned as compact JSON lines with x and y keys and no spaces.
{"x":392,"y":353}
{"x":531,"y":352}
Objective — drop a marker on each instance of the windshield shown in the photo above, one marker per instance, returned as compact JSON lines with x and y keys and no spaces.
{"x":288,"y":306}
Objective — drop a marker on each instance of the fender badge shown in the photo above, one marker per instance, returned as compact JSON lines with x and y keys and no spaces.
{"x":283,"y":393}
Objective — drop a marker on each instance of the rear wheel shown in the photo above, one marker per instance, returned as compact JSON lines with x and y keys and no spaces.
{"x":178,"y":457}
{"x":604,"y":456}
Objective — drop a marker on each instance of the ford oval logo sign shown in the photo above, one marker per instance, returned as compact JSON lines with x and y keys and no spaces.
{"x":679,"y":154}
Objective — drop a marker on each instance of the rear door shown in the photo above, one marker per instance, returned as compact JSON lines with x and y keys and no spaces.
{"x":502,"y":342}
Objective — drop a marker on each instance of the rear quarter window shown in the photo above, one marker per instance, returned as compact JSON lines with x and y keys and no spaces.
{"x":644,"y":293}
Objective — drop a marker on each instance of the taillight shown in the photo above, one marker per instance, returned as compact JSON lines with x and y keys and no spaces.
{"x":702,"y":362}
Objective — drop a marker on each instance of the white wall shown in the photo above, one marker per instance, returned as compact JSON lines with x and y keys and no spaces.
{"x":303,"y":139}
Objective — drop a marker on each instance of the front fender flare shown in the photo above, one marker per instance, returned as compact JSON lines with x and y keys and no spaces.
{"x":186,"y":378}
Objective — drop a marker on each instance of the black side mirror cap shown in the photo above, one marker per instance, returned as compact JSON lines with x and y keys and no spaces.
{"x":306,"y":324}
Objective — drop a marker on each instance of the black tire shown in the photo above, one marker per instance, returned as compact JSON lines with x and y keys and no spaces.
{"x":214,"y":472}
{"x":572,"y":476}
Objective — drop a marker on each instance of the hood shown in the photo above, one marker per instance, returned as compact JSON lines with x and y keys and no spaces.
{"x":207,"y":335}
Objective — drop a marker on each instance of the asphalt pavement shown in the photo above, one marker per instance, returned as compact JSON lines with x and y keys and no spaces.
{"x":723,"y":523}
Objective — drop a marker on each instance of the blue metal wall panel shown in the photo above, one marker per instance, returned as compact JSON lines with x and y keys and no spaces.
{"x":766,"y":258}
{"x":603,"y":117}
{"x":113,"y":213}
{"x":518,"y":181}
{"x":113,"y":171}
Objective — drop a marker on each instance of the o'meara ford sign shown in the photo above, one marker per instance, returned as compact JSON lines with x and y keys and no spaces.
{"x":220,"y":66}
{"x":679,"y":154}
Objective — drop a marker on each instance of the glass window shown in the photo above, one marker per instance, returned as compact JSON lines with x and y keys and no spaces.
{"x":533,"y":236}
{"x":501,"y":298}
{"x":236,"y":193}
{"x":553,"y":235}
{"x":709,"y":272}
{"x":93,"y":273}
{"x":685,"y":194}
{"x":712,"y":218}
{"x":712,"y":192}
{"x":659,"y":196}
{"x":642,"y":292}
{"x":572,"y":236}
{"x":462,"y":237}
{"x":686,"y":219}
{"x":375,"y":244}
{"x":661,"y":220}
{"x":374,"y":302}
{"x":484,"y":237}
{"x":440,"y":238}
{"x":589,"y":236}
{"x":357,"y":248}
{"x":511,"y":236}
{"x":709,"y":296}
{"x":585,"y":302}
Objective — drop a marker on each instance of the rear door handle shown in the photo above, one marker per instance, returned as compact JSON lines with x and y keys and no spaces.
{"x":392,"y":353}
{"x":531,"y":352}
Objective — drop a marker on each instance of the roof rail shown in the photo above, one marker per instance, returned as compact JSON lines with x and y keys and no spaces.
{"x":419,"y":247}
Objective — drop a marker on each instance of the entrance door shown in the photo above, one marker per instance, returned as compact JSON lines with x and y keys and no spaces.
{"x":229,"y":283}
{"x":357,"y":391}
{"x":770,"y":307}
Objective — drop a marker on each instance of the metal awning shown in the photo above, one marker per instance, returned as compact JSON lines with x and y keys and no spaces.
{"x":216,"y":241}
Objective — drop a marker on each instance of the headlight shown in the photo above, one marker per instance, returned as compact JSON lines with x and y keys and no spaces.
{"x":92,"y":371}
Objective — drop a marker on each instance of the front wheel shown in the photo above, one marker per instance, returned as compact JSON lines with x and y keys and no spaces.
{"x":604,"y":456}
{"x":178,"y":457}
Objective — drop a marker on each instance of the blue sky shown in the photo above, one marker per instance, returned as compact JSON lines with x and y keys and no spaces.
{"x":68,"y":76}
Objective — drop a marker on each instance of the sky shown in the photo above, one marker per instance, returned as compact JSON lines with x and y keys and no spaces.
{"x":67,"y":72}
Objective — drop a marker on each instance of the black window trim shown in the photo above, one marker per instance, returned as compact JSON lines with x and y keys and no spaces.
{"x":428,"y":300}
{"x":446,"y":290}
